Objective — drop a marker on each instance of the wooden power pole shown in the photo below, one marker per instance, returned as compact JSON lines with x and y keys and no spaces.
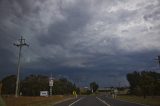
{"x":20,"y":44}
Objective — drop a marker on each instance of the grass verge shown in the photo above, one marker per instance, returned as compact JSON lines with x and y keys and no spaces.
{"x":34,"y":101}
{"x":2,"y":102}
{"x":152,"y":101}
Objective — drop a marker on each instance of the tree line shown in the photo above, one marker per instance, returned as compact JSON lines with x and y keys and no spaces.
{"x":33,"y":84}
{"x":145,"y":83}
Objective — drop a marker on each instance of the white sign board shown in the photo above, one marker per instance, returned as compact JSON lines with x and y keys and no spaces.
{"x":43,"y":93}
{"x":51,"y":82}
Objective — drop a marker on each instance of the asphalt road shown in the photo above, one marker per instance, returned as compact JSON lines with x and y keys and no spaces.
{"x":96,"y":101}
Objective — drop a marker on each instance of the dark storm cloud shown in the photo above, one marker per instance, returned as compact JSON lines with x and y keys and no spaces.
{"x":76,"y":18}
{"x":82,"y":40}
{"x":6,"y":56}
{"x":6,"y":63}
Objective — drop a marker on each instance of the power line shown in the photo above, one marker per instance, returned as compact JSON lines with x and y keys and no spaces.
{"x":20,"y":44}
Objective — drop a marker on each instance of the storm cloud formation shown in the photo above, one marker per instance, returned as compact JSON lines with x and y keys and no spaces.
{"x":83,"y":40}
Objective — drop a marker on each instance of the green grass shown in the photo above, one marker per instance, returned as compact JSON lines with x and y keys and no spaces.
{"x":2,"y":103}
{"x":152,"y":101}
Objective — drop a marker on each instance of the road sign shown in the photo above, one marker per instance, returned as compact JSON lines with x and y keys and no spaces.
{"x":51,"y":82}
{"x":75,"y":94}
{"x":44,"y":93}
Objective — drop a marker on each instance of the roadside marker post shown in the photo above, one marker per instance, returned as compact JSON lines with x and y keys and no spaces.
{"x":51,"y":85}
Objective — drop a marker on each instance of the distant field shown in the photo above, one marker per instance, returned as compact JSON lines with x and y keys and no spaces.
{"x":152,"y":101}
{"x":34,"y":101}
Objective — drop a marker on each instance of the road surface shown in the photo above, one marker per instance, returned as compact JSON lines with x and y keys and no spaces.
{"x":97,"y":101}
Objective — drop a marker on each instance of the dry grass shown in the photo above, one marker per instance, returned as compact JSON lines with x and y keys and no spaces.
{"x":33,"y":101}
{"x":152,"y":101}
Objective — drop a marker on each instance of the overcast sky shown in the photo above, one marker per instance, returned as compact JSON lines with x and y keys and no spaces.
{"x":82,"y":40}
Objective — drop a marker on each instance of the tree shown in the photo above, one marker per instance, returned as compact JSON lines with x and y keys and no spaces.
{"x":63,"y":86}
{"x":33,"y":84}
{"x":133,"y":79}
{"x":9,"y":85}
{"x":144,"y":83}
{"x":93,"y":86}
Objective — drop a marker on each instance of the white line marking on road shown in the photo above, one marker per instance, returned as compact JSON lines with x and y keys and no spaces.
{"x":103,"y":101}
{"x":132,"y":102}
{"x":75,"y":101}
{"x":62,"y":101}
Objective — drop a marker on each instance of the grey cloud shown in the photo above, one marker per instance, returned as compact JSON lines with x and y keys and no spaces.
{"x":79,"y":39}
{"x":153,"y":16}
{"x":76,"y":17}
{"x":153,"y":12}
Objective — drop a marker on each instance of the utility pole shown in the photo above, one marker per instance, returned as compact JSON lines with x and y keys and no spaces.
{"x":158,"y":59}
{"x":20,"y":44}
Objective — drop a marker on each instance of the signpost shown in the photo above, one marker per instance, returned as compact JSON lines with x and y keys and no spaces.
{"x":51,"y":85}
{"x":75,"y":94}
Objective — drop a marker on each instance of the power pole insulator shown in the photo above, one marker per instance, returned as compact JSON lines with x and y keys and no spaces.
{"x":20,"y":44}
